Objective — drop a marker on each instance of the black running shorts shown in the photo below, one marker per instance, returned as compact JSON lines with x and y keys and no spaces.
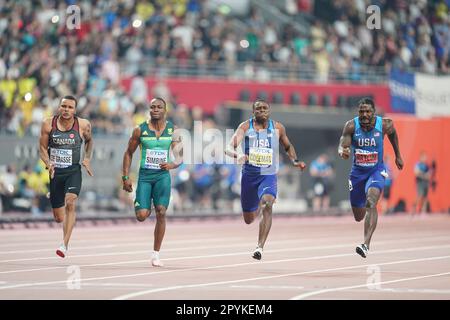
{"x":64,"y":181}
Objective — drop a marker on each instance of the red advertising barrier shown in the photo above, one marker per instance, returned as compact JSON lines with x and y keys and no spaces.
{"x":209,"y":94}
{"x":432,"y":137}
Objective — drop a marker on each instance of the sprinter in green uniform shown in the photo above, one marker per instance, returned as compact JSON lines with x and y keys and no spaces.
{"x":155,"y":137}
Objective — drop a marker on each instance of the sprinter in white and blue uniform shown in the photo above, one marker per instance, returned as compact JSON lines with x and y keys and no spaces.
{"x":364,"y":134}
{"x":262,"y":137}
{"x":259,"y":172}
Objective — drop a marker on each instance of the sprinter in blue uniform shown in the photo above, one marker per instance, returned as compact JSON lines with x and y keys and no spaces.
{"x":364,"y":134}
{"x":262,"y":137}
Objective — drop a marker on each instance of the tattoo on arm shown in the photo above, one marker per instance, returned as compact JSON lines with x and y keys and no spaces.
{"x":88,"y":142}
{"x":393,"y":137}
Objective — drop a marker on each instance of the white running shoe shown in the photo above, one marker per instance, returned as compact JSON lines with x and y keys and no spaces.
{"x":61,"y":251}
{"x":156,"y":262}
{"x":362,"y":250}
{"x":257,"y":254}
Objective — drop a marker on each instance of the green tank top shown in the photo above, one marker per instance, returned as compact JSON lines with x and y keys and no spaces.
{"x":154,"y":150}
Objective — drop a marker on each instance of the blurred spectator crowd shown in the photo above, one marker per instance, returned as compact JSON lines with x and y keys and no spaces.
{"x":41,"y":59}
{"x":414,"y":34}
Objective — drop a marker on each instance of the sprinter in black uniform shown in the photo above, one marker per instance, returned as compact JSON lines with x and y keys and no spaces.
{"x":60,"y":149}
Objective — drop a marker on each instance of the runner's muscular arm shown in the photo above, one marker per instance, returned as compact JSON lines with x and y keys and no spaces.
{"x":46,"y":128}
{"x":236,"y":140}
{"x":133,"y":143}
{"x":346,"y":139}
{"x":177,"y":149}
{"x":288,"y":147}
{"x":88,"y":145}
{"x":389,"y":129}
{"x":88,"y":141}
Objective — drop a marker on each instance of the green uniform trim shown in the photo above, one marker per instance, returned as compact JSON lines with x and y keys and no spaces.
{"x":149,"y":141}
{"x":153,"y":183}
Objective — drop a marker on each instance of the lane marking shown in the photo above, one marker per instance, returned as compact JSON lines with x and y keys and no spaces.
{"x":209,"y":256}
{"x":267,"y":287}
{"x":138,"y":242}
{"x":122,"y":240}
{"x":225,"y":266}
{"x":207,"y":284}
{"x":315,"y":293}
{"x":206,"y":247}
{"x":432,"y":291}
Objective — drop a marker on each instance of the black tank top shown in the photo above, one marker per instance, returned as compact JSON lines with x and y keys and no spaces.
{"x":64,"y":147}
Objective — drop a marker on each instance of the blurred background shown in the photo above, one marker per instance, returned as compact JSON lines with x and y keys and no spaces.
{"x":311,"y":59}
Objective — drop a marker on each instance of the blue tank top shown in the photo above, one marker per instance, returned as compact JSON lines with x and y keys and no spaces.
{"x":261,"y":147}
{"x":367,"y":147}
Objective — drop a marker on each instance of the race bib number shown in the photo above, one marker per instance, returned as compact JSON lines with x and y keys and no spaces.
{"x":154,"y":157}
{"x":61,"y":158}
{"x":366,"y":158}
{"x":260,"y":157}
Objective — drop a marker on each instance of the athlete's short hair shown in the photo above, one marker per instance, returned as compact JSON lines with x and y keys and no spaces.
{"x":368,"y":101}
{"x":69,"y":97}
{"x":161,"y":99}
{"x":259,"y":100}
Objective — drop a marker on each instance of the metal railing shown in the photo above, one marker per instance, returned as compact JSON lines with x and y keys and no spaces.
{"x":251,"y":71}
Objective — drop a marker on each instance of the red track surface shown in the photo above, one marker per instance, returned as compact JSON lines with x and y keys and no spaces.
{"x":304,"y":258}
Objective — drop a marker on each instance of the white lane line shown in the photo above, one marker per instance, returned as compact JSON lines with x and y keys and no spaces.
{"x":106,"y":246}
{"x":130,"y":262}
{"x":217,"y":267}
{"x":105,"y":254}
{"x":83,"y":230}
{"x":139,"y":242}
{"x":228,"y":245}
{"x":208,"y":284}
{"x":112,"y":284}
{"x":124,"y":240}
{"x":212,"y":247}
{"x":190,"y":257}
{"x":315,"y":293}
{"x":214,"y":255}
{"x":267,"y":287}
{"x":432,"y":291}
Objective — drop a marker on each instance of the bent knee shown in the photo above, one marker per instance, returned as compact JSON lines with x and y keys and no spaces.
{"x":70,"y":202}
{"x":267,"y":203}
{"x":161,"y":213}
{"x":58,"y":219}
{"x":249,"y":217}
{"x":359,"y":214}
{"x":142,"y":215}
{"x":371,"y":203}
{"x":248,"y":220}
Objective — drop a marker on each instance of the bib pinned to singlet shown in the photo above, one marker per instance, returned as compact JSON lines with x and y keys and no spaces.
{"x":154,"y":157}
{"x":260,"y":157}
{"x":61,"y":158}
{"x":366,"y":158}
